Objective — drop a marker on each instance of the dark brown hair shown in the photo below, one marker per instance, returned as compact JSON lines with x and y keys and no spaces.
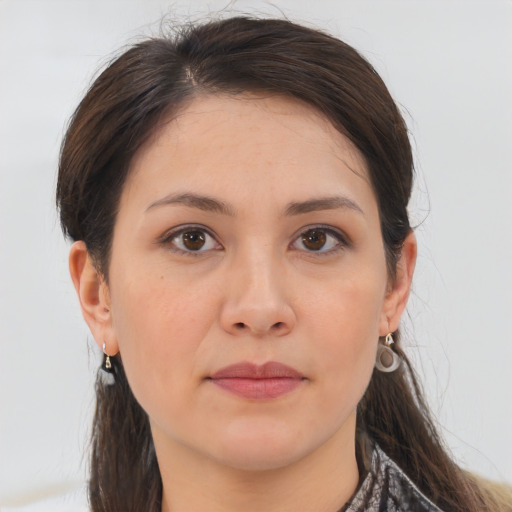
{"x":125,"y":106}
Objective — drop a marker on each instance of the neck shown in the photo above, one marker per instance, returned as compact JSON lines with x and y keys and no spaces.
{"x":322,"y":481}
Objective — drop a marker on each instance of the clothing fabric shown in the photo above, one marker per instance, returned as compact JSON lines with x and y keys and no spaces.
{"x":386,"y":488}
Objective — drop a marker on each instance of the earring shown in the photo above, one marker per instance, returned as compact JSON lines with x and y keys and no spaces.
{"x":106,"y":376}
{"x":387,"y":360}
{"x":107,"y":365}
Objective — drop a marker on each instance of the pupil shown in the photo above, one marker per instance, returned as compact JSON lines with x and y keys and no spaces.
{"x":314,"y":240}
{"x":193,"y":240}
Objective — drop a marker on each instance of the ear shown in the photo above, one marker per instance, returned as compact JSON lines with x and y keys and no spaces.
{"x":93,"y":295}
{"x":399,"y":288}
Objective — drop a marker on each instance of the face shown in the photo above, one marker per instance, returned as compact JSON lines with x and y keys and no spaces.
{"x":248,"y":284}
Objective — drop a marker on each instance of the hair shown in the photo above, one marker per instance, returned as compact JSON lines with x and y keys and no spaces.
{"x":125,"y":106}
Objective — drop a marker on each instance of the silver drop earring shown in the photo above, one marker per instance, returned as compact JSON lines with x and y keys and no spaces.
{"x":107,"y":374}
{"x":107,"y":365}
{"x":387,"y":361}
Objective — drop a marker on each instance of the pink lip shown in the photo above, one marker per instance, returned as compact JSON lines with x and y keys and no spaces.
{"x":248,"y":380}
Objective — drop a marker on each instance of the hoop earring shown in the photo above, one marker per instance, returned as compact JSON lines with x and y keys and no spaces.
{"x":387,"y":360}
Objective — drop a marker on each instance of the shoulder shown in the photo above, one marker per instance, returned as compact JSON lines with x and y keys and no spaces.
{"x":386,"y":487}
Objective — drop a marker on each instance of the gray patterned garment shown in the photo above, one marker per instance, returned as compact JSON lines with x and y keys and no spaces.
{"x":386,"y":488}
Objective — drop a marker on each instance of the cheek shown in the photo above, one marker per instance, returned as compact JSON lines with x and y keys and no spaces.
{"x":159,"y":327}
{"x":347,"y":324}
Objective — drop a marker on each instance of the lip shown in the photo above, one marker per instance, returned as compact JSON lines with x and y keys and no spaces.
{"x":257,"y":382}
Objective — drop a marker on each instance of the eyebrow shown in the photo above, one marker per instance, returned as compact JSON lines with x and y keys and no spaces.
{"x":209,"y":204}
{"x":322,"y":203}
{"x":204,"y":203}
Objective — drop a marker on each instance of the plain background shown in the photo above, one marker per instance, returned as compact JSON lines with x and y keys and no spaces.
{"x":448,"y":65}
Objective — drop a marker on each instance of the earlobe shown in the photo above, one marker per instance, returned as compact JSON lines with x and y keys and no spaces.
{"x":398,"y":294}
{"x":93,"y":295}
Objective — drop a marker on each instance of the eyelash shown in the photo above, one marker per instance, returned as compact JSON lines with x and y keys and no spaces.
{"x":342,"y":242}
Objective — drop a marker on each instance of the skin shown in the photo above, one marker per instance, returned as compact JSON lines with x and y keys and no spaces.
{"x":256,"y":291}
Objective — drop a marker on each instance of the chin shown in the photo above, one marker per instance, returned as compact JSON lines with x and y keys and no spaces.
{"x":259,"y":458}
{"x":256,"y":448}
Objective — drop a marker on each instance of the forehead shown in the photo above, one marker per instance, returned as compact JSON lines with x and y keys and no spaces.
{"x":235,"y":145}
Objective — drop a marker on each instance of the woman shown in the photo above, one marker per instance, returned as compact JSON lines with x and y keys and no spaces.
{"x":238,"y":200}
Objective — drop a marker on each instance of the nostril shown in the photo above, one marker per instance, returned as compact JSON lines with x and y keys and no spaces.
{"x":276,"y":328}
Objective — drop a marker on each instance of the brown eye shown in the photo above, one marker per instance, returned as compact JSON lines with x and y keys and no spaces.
{"x":193,"y":240}
{"x":322,"y":240}
{"x":314,"y":240}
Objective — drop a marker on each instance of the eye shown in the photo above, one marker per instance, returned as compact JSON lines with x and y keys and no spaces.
{"x":319,"y":239}
{"x":191,"y":240}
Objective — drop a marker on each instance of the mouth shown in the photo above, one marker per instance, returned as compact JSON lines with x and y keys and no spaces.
{"x":258,"y":382}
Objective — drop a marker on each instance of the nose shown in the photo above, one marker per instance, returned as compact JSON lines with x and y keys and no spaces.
{"x":256,"y":302}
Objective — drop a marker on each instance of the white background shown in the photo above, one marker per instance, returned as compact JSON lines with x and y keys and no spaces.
{"x":446,"y":62}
